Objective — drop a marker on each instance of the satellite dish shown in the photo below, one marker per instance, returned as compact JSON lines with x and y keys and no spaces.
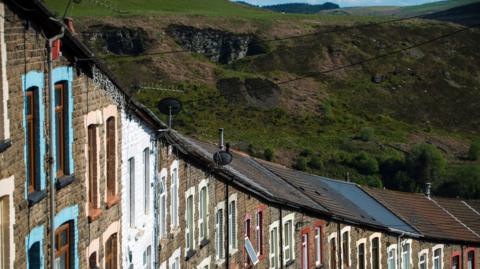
{"x":222,"y":157}
{"x":169,"y":106}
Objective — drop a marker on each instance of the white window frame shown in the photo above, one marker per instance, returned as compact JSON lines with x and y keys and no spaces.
{"x":189,"y":193}
{"x":147,"y":260}
{"x":203,"y":184}
{"x":289,"y":218}
{"x":174,"y":204}
{"x":364,"y":242}
{"x":423,"y":252}
{"x":329,"y":239}
{"x":274,"y":227}
{"x":342,"y":231}
{"x":205,"y":262}
{"x":305,"y":251}
{"x":163,"y":223}
{"x":439,"y":246}
{"x":147,"y":166}
{"x":373,"y":236}
{"x":220,"y":257}
{"x":132,"y":194}
{"x":232,"y":221}
{"x":174,"y":257}
{"x":163,"y":265}
{"x":259,"y":237}
{"x":7,"y":186}
{"x":392,"y":247}
{"x":410,"y":260}
{"x":318,"y":245}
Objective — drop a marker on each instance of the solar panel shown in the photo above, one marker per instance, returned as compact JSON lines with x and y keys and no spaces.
{"x":250,"y":251}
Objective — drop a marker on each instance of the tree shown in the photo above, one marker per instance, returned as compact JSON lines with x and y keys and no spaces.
{"x":301,"y":164}
{"x":474,"y":151}
{"x":425,"y":163}
{"x":268,"y":154}
{"x":365,"y":164}
{"x":461,"y":181}
{"x":315,"y":163}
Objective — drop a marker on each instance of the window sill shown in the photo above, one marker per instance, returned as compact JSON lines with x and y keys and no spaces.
{"x":319,"y":266}
{"x":203,"y":243}
{"x":112,"y":201}
{"x":190,"y":253}
{"x":35,"y":197}
{"x":290,"y":262}
{"x":64,"y":181}
{"x":5,"y":144}
{"x":94,"y":214}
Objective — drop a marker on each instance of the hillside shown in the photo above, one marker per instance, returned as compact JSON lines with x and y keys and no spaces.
{"x":301,"y":8}
{"x":357,"y":122}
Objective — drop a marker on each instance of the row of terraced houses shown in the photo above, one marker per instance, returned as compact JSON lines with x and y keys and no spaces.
{"x":89,"y":178}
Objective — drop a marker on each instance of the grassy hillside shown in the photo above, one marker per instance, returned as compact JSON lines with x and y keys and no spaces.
{"x":335,"y":124}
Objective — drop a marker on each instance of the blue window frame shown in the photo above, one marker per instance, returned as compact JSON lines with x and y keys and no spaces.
{"x":70,"y":215}
{"x":34,"y":248}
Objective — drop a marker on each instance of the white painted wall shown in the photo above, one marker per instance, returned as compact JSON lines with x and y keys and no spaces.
{"x":135,"y":240}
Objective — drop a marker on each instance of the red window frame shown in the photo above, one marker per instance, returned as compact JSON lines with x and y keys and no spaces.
{"x":456,"y":254}
{"x":468,"y":250}
{"x":305,"y":231}
{"x":247,"y":231}
{"x":319,"y":224}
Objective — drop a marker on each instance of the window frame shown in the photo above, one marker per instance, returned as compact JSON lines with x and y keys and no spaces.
{"x":392,"y":248}
{"x":163,"y":206}
{"x":343,"y":231}
{"x":288,"y":220}
{"x":112,"y":255}
{"x":5,"y":228}
{"x":274,"y":245}
{"x":377,"y":236}
{"x":359,"y":243}
{"x":456,"y":254}
{"x":410,"y":260}
{"x":61,"y":111}
{"x":220,"y":232}
{"x":232,"y":224}
{"x":174,"y":258}
{"x":305,"y":248}
{"x":93,"y":166}
{"x":318,"y":238}
{"x":435,"y":248}
{"x":67,"y":249}
{"x":131,"y":189}
{"x":31,"y":136}
{"x":423,"y":252}
{"x":247,"y":232}
{"x":468,"y":251}
{"x":146,"y":180}
{"x":259,"y":232}
{"x":174,"y":197}
{"x":111,"y":159}
{"x":203,"y":213}
{"x":332,"y":238}
{"x":189,"y":228}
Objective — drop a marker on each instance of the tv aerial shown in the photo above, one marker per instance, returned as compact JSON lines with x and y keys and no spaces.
{"x":169,"y":106}
{"x":223,"y":156}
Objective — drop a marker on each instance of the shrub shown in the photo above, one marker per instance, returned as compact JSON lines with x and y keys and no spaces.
{"x":301,"y":164}
{"x":315,"y":163}
{"x":462,"y":181}
{"x":365,"y":164}
{"x":474,"y":151}
{"x":268,"y":154}
{"x":366,"y":134}
{"x":306,"y":152}
{"x":425,"y":163}
{"x":328,"y":115}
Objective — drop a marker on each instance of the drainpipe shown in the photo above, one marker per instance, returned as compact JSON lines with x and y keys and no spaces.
{"x":156,"y":170}
{"x":280,"y":230}
{"x":227,"y":229}
{"x":51,"y":162}
{"x":462,"y":257}
{"x":339,"y":248}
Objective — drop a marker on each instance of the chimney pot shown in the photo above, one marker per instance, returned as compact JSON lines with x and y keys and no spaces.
{"x":428,"y":187}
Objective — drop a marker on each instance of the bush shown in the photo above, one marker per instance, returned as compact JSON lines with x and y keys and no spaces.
{"x":463,"y":181}
{"x":315,"y":163}
{"x":268,"y":154}
{"x":365,"y":164}
{"x":306,"y":152}
{"x":301,"y":164}
{"x":474,"y":151}
{"x":425,"y":163}
{"x":328,"y":115}
{"x":367,"y":134}
{"x":371,"y":181}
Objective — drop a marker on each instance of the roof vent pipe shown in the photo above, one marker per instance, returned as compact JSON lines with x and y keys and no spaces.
{"x":428,"y":187}
{"x":220,"y":137}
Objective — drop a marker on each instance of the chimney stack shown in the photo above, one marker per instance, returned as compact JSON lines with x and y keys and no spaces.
{"x":428,"y":187}
{"x":69,"y":23}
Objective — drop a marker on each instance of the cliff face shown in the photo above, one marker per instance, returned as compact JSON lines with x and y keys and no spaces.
{"x":117,"y":40}
{"x":218,"y":46}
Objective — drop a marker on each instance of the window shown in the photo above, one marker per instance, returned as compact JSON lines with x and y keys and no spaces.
{"x":406,"y":255}
{"x":203,"y":211}
{"x":437,"y":257}
{"x":305,"y":255}
{"x":232,"y":223}
{"x":61,"y":128}
{"x":318,"y":246}
{"x":456,"y":261}
{"x":32,"y":138}
{"x":392,"y":257}
{"x":92,"y":167}
{"x":174,"y":260}
{"x":471,"y":259}
{"x":219,"y":236}
{"x":274,"y":245}
{"x":34,"y":257}
{"x":146,"y":180}
{"x":131,"y":175}
{"x":147,"y":258}
{"x":247,"y":232}
{"x":333,"y":253}
{"x":111,"y":252}
{"x":259,"y":232}
{"x":375,"y":250}
{"x":346,"y":247}
{"x":63,"y":247}
{"x":205,"y":264}
{"x":163,"y":203}
{"x":287,"y":248}
{"x":111,"y":152}
{"x":92,"y":261}
{"x":4,"y":232}
{"x":361,"y":256}
{"x":422,"y":261}
{"x":189,"y":230}
{"x":174,"y":194}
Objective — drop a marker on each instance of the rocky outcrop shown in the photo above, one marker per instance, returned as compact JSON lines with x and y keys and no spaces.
{"x":219,"y":46}
{"x":117,"y":40}
{"x":255,"y":92}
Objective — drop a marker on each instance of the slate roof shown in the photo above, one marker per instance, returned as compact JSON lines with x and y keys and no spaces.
{"x":462,"y":211}
{"x":424,"y":214}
